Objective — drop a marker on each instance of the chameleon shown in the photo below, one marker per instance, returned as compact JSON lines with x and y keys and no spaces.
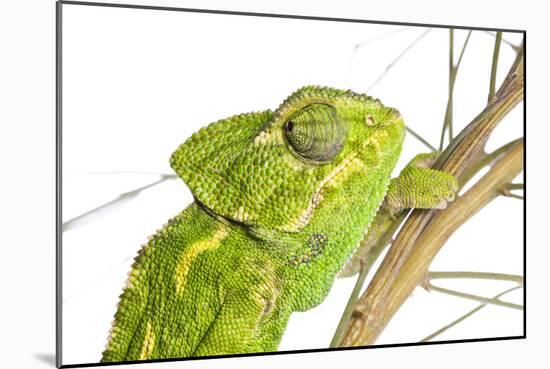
{"x":282,"y":199}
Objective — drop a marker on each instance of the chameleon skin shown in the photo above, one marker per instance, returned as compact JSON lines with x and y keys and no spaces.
{"x":282,"y":199}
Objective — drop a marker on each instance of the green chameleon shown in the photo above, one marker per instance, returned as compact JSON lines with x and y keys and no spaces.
{"x":282,"y":201}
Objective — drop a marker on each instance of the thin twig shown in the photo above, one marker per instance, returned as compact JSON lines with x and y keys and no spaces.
{"x":96,"y":212}
{"x":342,"y":324}
{"x":375,"y":244}
{"x":476,"y":275}
{"x":453,"y":71}
{"x":365,"y":43}
{"x":124,"y":172}
{"x":421,"y":139}
{"x":401,"y":55}
{"x":516,"y":48}
{"x":469,"y":296}
{"x":465,"y":316}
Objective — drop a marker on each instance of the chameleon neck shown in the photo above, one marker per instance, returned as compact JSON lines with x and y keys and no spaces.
{"x":328,"y":247}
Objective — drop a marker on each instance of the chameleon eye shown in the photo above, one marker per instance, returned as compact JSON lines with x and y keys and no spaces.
{"x":316,"y":133}
{"x":289,"y":126}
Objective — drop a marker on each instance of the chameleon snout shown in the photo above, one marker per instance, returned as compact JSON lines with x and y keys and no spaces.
{"x":389,"y":117}
{"x":393,"y":116}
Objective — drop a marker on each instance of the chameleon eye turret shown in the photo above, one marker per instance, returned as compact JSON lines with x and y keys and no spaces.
{"x":316,"y":133}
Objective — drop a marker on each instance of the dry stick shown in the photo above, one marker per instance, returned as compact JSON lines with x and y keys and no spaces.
{"x":407,"y":261}
{"x":453,"y":71}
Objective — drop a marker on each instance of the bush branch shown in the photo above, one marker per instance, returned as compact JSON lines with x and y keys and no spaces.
{"x":425,"y":231}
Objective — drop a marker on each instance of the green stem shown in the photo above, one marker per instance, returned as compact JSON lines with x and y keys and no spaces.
{"x":342,"y":324}
{"x":367,"y":262}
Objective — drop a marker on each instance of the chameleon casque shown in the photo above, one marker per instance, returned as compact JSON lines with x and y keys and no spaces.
{"x":282,"y":201}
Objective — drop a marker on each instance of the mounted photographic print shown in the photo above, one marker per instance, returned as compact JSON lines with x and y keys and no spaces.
{"x":235,"y":184}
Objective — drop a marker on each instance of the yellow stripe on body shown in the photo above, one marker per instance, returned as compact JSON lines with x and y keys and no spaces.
{"x":148,"y":343}
{"x":191,"y":252}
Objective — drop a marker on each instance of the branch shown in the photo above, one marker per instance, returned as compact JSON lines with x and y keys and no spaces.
{"x":425,"y":232}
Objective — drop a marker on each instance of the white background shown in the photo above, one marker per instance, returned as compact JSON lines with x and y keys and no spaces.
{"x":140,"y":84}
{"x":28,"y":160}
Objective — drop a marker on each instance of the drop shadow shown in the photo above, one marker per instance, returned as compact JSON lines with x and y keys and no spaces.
{"x":46,"y":358}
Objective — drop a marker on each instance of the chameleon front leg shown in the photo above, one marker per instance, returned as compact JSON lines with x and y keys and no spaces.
{"x":237,"y":325}
{"x":417,"y":186}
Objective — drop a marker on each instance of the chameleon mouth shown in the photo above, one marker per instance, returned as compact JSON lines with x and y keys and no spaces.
{"x":336,"y":176}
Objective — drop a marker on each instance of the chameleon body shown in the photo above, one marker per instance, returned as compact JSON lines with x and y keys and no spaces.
{"x":282,"y":200}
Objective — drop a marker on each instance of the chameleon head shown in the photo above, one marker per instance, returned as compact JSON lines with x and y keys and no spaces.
{"x":322,"y":151}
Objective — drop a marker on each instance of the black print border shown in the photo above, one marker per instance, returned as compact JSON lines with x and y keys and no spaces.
{"x":58,"y":113}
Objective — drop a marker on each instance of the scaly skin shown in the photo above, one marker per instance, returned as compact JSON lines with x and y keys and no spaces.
{"x":282,"y":199}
